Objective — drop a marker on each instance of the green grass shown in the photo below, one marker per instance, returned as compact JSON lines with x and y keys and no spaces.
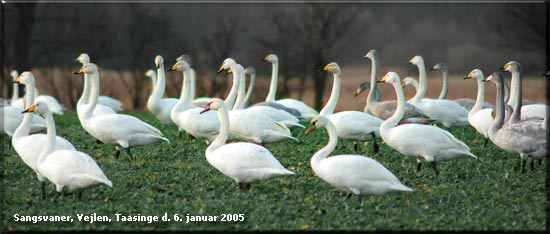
{"x":485,"y":194}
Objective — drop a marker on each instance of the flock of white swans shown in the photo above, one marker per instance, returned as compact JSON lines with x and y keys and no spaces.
{"x":409,"y":127}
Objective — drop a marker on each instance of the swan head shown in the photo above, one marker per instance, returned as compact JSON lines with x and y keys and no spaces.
{"x":362,"y":87}
{"x":83,"y":58}
{"x":250,"y":71}
{"x":150,"y":73}
{"x":496,"y":78}
{"x":272,"y":58}
{"x":440,"y":67}
{"x":372,"y":54}
{"x":25,"y":78}
{"x":227,"y":64}
{"x":476,"y":73}
{"x":416,"y":60}
{"x":180,"y":65}
{"x":159,"y":60}
{"x":319,"y":121}
{"x":40,"y":108}
{"x":214,"y":104}
{"x":408,"y":81}
{"x":88,"y":68}
{"x":390,"y":77}
{"x":184,"y":57}
{"x":332,"y":68}
{"x":511,"y":66}
{"x":14,"y":74}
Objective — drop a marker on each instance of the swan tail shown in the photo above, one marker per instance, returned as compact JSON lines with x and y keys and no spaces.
{"x":292,"y":124}
{"x":400,"y":187}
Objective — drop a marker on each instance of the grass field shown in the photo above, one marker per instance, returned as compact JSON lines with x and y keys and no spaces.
{"x":484,"y":194}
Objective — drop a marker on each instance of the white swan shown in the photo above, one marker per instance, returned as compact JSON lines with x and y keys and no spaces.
{"x":251,"y":125}
{"x":106,"y":101}
{"x":243,"y":162}
{"x":480,"y":118}
{"x":29,"y":147}
{"x":449,"y":113}
{"x":123,"y":131}
{"x":153,"y":76}
{"x":467,"y":103}
{"x":424,"y":142}
{"x":201,"y":101}
{"x":156,"y":104}
{"x":353,"y":125}
{"x":278,"y":115}
{"x":84,"y":100}
{"x":385,"y":109}
{"x":524,"y":137}
{"x":252,"y":73}
{"x":66,"y":168}
{"x":528,"y":111}
{"x":307,"y":112}
{"x":355,"y":174}
{"x":54,"y":105}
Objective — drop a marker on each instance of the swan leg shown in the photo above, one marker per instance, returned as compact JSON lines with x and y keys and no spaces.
{"x":532,"y":164}
{"x":523,"y":162}
{"x":79,"y":195}
{"x":418,"y":167}
{"x":375,"y":147}
{"x":355,"y":146}
{"x":540,"y":162}
{"x":130,"y":154}
{"x":180,"y":135}
{"x":43,"y":189}
{"x":117,"y":153}
{"x":244,"y":186}
{"x":98,"y":142}
{"x":434,"y":166}
{"x":485,"y":142}
{"x":348,"y":195}
{"x":57,"y":195}
{"x":190,"y":137}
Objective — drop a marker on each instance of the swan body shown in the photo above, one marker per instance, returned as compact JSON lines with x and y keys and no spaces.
{"x":306,"y":112}
{"x":355,"y":174}
{"x":12,"y":118}
{"x":525,"y":137}
{"x":115,"y":129}
{"x":449,"y":113}
{"x":243,"y":162}
{"x":385,"y":109}
{"x":354,"y":125}
{"x":66,"y":168}
{"x":424,"y":142}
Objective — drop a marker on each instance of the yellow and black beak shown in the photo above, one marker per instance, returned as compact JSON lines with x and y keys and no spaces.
{"x":410,"y":62}
{"x":221,"y":69}
{"x":157,"y":63}
{"x":383,"y":80}
{"x":30,"y":109}
{"x":266,"y":58}
{"x":18,"y":80}
{"x":229,"y":71}
{"x":469,"y":76}
{"x":505,"y":67}
{"x":80,"y":71}
{"x":207,"y":108}
{"x":173,"y":68}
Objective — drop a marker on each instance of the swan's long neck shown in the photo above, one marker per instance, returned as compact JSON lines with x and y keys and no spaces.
{"x":445,"y":87}
{"x":240,"y":103}
{"x":94,"y":94}
{"x":325,"y":151}
{"x":334,"y":95}
{"x":516,"y":97}
{"x":224,"y":130}
{"x":513,"y":89}
{"x":506,"y":92}
{"x":25,"y":126}
{"x":273,"y":86}
{"x":480,"y":97}
{"x":192,"y":84}
{"x":15,"y":94}
{"x":50,"y":142}
{"x":230,"y":99}
{"x":154,"y":84}
{"x":398,"y":115}
{"x":158,"y":90}
{"x":371,"y":98}
{"x":421,"y":91}
{"x":250,"y":89}
{"x":184,"y":96}
{"x":499,"y":118}
{"x":84,"y":98}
